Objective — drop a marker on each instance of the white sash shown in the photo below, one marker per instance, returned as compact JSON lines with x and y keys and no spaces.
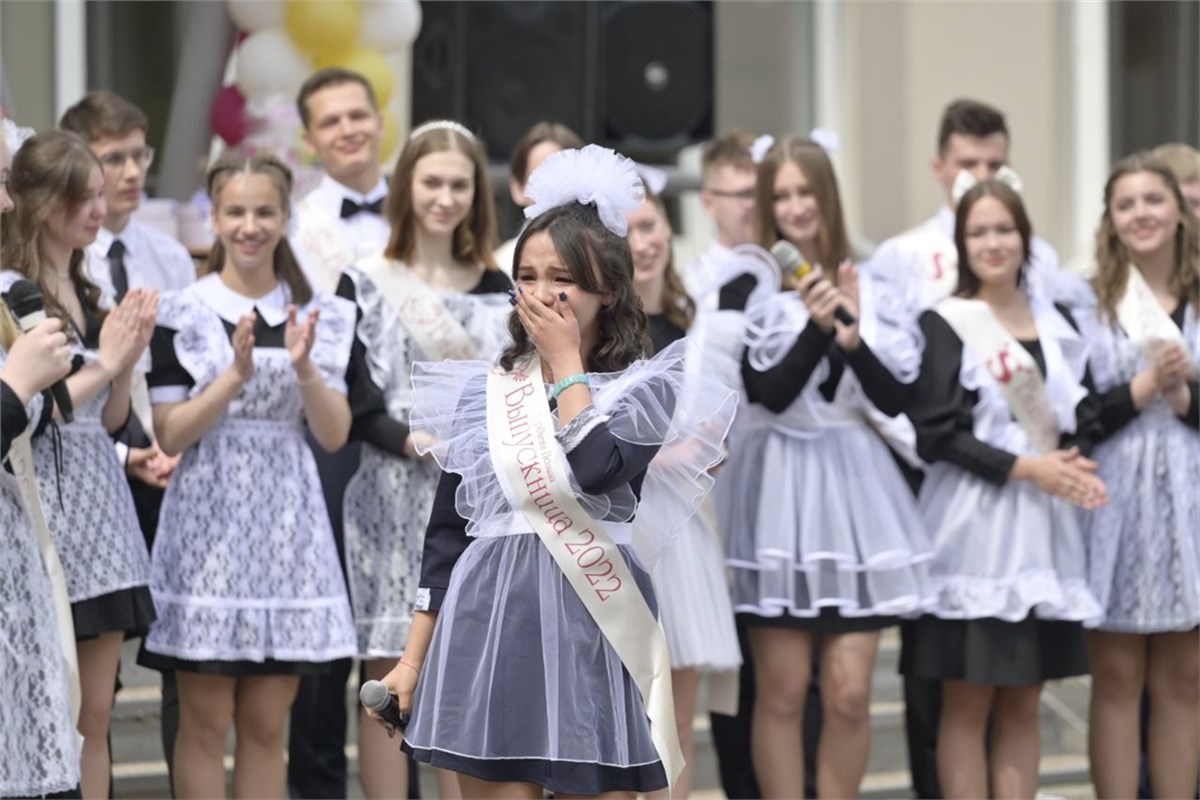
{"x":321,"y":239}
{"x":1009,"y":364}
{"x":533,"y":471}
{"x":20,"y":458}
{"x":1143,"y":317}
{"x":421,"y":312}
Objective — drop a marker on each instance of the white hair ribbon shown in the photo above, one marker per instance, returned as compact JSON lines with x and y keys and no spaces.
{"x":965,"y":181}
{"x":827,"y":139}
{"x":592,"y":175}
{"x":653,"y":178}
{"x":763,"y":144}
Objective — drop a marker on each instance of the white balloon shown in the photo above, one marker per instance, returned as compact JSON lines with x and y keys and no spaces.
{"x":389,"y":24}
{"x":257,"y":15}
{"x":267,"y":62}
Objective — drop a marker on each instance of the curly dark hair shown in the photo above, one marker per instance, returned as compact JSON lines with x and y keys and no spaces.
{"x":600,"y":263}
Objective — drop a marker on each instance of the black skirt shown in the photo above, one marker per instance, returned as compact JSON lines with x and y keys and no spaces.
{"x":992,"y":652}
{"x":231,"y":669}
{"x":559,"y":777}
{"x":127,"y":610}
{"x":829,"y":621}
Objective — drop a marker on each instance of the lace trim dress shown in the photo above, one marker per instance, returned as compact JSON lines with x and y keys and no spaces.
{"x":1009,"y":574}
{"x":1143,"y":548}
{"x":245,"y":571}
{"x":89,"y":509}
{"x":519,"y":684}
{"x":821,"y":529}
{"x":388,"y":501}
{"x":39,"y":748}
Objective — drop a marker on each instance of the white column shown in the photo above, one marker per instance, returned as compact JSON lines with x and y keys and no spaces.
{"x":70,"y":54}
{"x":1090,"y":149}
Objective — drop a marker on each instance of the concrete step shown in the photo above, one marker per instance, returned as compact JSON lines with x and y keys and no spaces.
{"x":140,"y":771}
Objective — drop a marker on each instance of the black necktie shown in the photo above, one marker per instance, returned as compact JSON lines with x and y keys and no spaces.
{"x":350,"y":208}
{"x":116,"y":268}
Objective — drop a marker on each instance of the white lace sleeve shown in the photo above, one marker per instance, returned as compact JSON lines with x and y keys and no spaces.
{"x":334,"y":337}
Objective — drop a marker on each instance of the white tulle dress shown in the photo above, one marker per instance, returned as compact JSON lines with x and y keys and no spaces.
{"x":519,"y":684}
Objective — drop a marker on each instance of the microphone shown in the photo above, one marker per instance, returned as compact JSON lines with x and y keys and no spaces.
{"x":790,"y":260}
{"x":25,"y":301}
{"x":374,"y":695}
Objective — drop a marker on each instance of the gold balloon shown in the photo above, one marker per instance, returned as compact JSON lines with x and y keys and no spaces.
{"x":371,"y":65}
{"x":389,"y":139}
{"x":323,"y":27}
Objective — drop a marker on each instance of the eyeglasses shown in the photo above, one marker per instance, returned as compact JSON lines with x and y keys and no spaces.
{"x":745,"y":195}
{"x":142,"y":156}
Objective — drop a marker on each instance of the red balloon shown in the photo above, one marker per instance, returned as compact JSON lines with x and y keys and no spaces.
{"x":229,"y":115}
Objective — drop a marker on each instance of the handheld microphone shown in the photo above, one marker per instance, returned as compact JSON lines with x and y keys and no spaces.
{"x":374,"y":695}
{"x":25,"y":301}
{"x":791,"y":261}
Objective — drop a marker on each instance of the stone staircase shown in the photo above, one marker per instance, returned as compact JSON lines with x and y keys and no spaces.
{"x":140,"y":771}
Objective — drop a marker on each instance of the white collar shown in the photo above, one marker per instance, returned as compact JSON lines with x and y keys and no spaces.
{"x":328,"y":194}
{"x":130,"y":236}
{"x":231,"y":306}
{"x":943,"y":221}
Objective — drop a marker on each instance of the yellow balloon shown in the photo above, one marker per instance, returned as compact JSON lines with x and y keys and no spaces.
{"x":389,"y":139}
{"x":371,"y":65}
{"x":322,"y":27}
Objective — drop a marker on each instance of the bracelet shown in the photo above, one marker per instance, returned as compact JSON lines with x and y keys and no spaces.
{"x":567,"y":382}
{"x":410,"y":666}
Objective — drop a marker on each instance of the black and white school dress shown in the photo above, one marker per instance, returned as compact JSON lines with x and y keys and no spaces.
{"x":1143,"y":548}
{"x":822,"y":533}
{"x":519,"y":684}
{"x":389,"y":499}
{"x":89,"y":509}
{"x":1009,"y":566}
{"x":39,"y":747}
{"x":245,"y":571}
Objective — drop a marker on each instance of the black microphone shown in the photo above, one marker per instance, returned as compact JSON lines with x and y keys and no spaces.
{"x":374,"y":695}
{"x":25,"y":301}
{"x":790,"y":261}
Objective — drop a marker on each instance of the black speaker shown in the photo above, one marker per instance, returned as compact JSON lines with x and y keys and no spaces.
{"x":656,"y":75}
{"x":636,"y":76}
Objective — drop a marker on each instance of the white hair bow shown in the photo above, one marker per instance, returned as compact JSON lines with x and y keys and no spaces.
{"x":965,"y":180}
{"x":15,"y":136}
{"x":758,"y":150}
{"x":653,"y":178}
{"x":827,"y":139}
{"x":593,"y":174}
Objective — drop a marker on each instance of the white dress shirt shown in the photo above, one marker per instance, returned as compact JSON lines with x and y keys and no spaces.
{"x":153,"y":260}
{"x":324,"y":243}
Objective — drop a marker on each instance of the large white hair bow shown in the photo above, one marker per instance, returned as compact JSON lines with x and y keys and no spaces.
{"x":15,"y":136}
{"x":761,"y":146}
{"x":593,"y":175}
{"x":965,"y":180}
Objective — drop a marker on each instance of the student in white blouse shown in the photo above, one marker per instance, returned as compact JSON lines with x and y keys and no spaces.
{"x":341,"y":220}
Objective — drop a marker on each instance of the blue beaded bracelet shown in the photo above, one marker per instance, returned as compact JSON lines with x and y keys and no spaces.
{"x":562,"y":385}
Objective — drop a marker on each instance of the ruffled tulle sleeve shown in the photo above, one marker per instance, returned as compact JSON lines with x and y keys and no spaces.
{"x":663,"y":402}
{"x":671,"y":401}
{"x":889,"y":324}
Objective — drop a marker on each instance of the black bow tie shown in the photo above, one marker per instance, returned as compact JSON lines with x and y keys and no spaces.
{"x":350,"y":208}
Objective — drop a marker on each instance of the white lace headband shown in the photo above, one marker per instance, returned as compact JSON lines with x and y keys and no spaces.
{"x":444,"y":125}
{"x":965,"y":180}
{"x":594,"y":175}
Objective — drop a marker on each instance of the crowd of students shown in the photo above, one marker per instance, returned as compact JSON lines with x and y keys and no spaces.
{"x":327,"y":449}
